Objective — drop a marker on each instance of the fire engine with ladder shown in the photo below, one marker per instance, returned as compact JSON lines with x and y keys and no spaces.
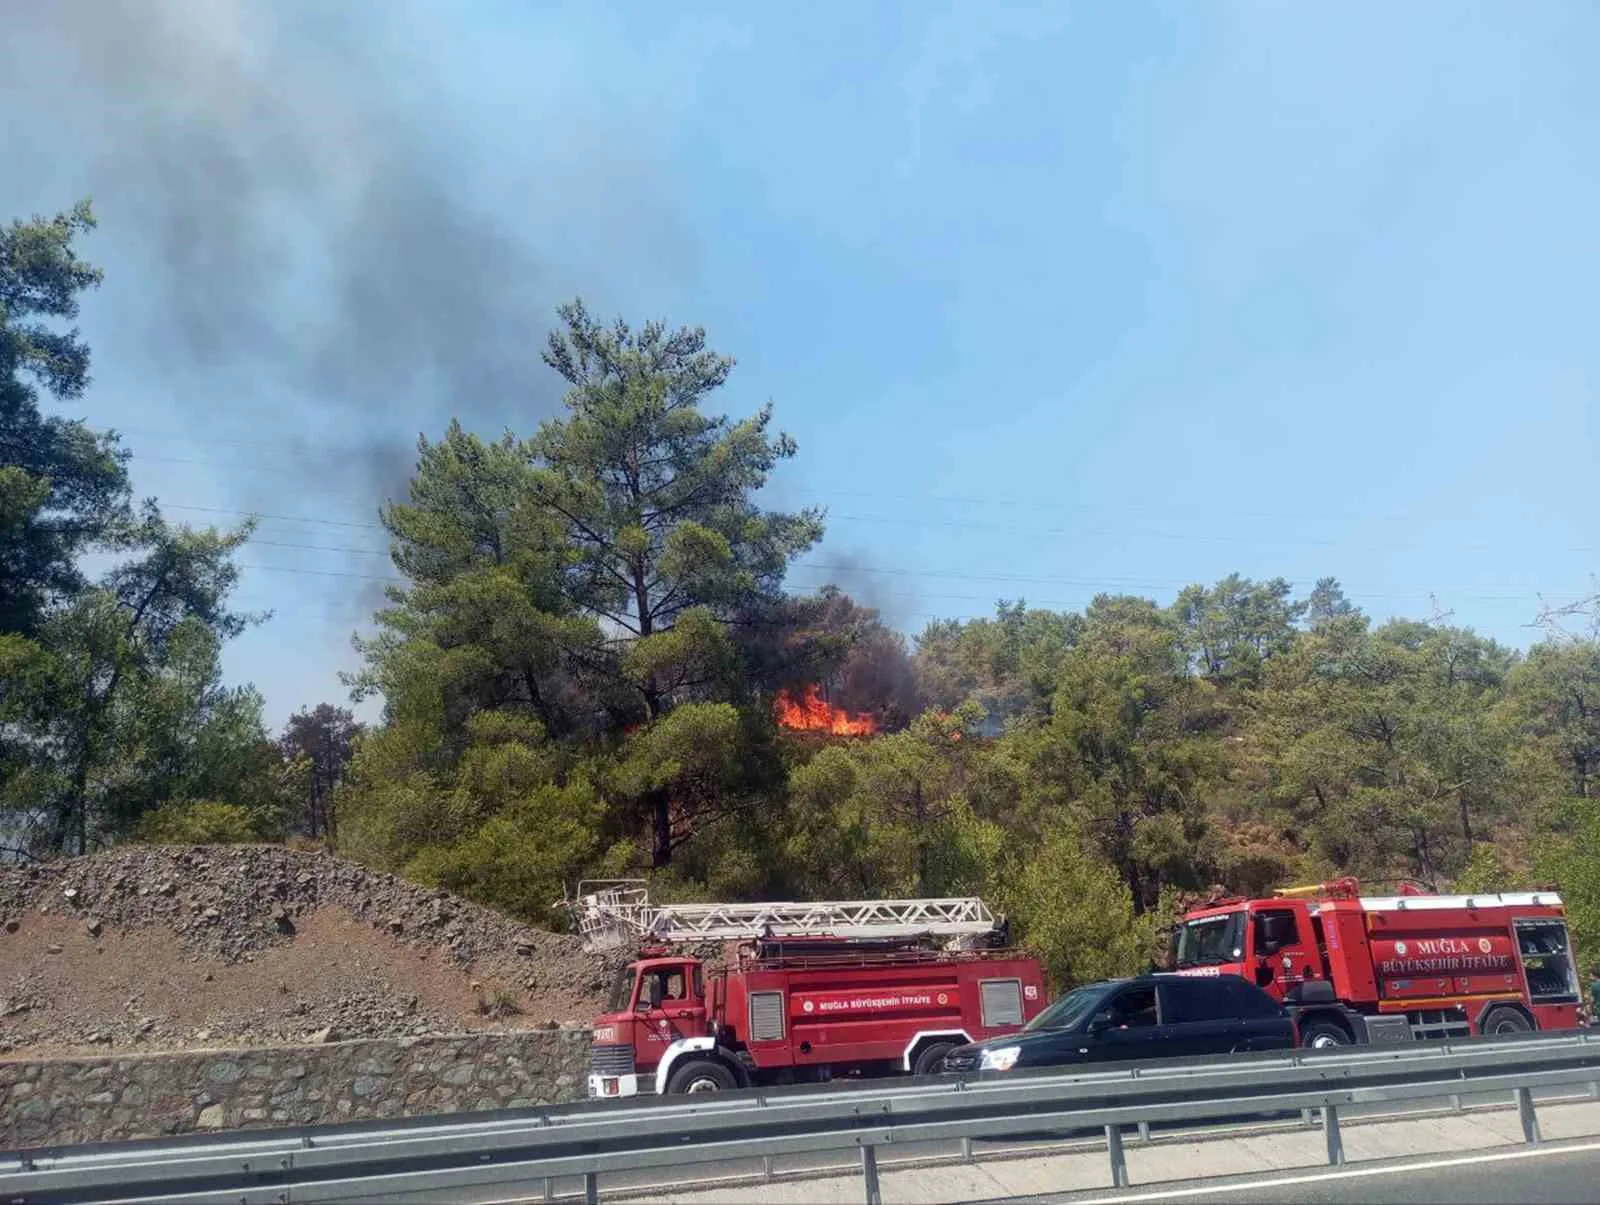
{"x":802,"y":992}
{"x":1411,"y":966}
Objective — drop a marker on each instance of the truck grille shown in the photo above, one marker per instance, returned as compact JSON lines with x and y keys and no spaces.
{"x":611,"y":1060}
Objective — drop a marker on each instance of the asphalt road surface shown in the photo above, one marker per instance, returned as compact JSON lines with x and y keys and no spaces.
{"x":1561,"y":1175}
{"x":840,"y":1162}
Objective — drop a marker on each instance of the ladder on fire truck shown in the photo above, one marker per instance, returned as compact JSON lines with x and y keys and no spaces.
{"x":617,"y":913}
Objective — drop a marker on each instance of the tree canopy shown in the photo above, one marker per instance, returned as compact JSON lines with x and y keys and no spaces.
{"x":591,"y":663}
{"x":111,"y":703}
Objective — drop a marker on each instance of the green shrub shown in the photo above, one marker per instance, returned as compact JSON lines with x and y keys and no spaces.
{"x":201,"y":822}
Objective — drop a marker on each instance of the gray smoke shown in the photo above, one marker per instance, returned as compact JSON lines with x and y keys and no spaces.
{"x":893,"y":596}
{"x":316,"y":251}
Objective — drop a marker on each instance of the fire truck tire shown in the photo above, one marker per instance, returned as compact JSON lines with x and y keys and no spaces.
{"x":701,"y":1075}
{"x":1322,"y":1034}
{"x":932,"y":1056}
{"x":1506,"y":1020}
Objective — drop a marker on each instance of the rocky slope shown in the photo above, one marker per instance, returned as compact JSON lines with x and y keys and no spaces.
{"x":157,"y":947}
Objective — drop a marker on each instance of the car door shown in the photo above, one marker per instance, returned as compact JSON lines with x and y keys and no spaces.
{"x":1128,"y":1027}
{"x":1263,"y":1022}
{"x":1199,"y":1017}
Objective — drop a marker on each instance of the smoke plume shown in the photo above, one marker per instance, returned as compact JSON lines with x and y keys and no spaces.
{"x":321,"y":253}
{"x":893,"y":597}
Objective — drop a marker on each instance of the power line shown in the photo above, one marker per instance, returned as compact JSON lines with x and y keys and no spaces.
{"x":963,"y":575}
{"x":959,"y":500}
{"x":1107,"y":532}
{"x":912,"y":595}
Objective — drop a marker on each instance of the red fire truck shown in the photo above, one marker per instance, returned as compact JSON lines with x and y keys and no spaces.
{"x":1359,"y":969}
{"x":801,"y":992}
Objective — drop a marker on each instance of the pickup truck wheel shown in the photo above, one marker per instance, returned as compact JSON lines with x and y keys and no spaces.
{"x":700,"y":1075}
{"x":930,"y":1061}
{"x":1323,"y":1035}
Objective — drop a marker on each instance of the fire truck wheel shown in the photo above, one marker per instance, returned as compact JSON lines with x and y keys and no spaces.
{"x":1321,"y":1035}
{"x":700,"y":1075}
{"x":1505,"y":1020}
{"x":930,"y":1061}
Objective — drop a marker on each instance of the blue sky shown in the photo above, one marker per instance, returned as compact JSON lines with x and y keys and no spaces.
{"x":1057,"y":298}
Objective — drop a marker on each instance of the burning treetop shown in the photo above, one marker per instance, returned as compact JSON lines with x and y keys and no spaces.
{"x":813,"y":713}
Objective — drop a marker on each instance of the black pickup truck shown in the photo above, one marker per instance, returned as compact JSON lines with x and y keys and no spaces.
{"x":1158,"y":1016}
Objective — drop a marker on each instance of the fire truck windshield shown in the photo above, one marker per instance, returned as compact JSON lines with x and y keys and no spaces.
{"x":1209,"y":941}
{"x":621,"y":989}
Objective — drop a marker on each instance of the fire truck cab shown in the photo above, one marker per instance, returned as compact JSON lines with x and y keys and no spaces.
{"x":801,"y":993}
{"x":1412,"y":966}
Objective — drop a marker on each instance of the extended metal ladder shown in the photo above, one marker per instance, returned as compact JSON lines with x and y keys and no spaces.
{"x":618,"y":913}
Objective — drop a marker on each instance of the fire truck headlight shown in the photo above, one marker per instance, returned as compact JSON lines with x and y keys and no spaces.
{"x":1003,"y":1059}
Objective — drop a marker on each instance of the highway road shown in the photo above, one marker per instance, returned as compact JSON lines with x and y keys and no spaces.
{"x":831,"y":1162}
{"x":1558,"y":1175}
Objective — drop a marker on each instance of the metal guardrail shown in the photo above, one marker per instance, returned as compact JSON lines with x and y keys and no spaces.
{"x":510,"y":1151}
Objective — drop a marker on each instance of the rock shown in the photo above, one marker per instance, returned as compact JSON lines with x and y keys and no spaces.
{"x":223,"y":907}
{"x":70,"y":894}
{"x":224,"y":1072}
{"x":52,"y":949}
{"x":211,"y":1118}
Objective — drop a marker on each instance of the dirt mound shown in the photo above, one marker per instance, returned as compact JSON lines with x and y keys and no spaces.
{"x":171,"y":946}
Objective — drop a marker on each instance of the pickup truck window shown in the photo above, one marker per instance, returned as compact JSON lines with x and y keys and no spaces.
{"x":1247,"y":1001}
{"x":1228,"y":998}
{"x":1134,"y":1008}
{"x":1069,"y":1012}
{"x":1193,"y":1000}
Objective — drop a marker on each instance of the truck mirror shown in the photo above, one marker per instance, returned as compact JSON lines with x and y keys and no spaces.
{"x":652,"y":991}
{"x":1100,"y":1021}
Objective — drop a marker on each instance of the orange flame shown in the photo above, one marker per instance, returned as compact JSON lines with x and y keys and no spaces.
{"x":813,"y":714}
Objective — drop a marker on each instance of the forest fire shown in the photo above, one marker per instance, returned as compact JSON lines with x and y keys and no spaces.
{"x":812,"y":713}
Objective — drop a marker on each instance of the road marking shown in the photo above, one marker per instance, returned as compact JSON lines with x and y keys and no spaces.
{"x":1349,"y":1174}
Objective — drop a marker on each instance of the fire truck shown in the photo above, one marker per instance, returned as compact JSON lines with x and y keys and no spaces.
{"x":1361,"y":969}
{"x":799,"y":992}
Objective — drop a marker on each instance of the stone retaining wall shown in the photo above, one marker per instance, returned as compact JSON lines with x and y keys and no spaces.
{"x":47,"y":1102}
